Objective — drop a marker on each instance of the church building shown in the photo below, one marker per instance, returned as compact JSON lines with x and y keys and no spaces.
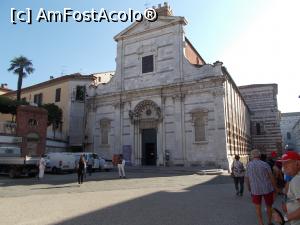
{"x":165,"y":105}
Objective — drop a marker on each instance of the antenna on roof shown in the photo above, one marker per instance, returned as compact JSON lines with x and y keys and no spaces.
{"x":62,"y":70}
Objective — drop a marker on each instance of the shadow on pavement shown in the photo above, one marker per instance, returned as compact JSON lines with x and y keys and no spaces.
{"x":205,"y":204}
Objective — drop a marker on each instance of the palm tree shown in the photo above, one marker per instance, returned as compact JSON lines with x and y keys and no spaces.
{"x":22,"y":67}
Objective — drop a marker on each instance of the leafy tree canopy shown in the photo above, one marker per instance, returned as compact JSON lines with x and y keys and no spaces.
{"x":9,"y":106}
{"x":54,"y":114}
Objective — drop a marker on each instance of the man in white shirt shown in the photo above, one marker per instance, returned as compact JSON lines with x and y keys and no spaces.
{"x":42,"y":165}
{"x":121,"y":167}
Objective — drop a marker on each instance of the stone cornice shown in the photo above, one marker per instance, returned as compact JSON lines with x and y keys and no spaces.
{"x":162,"y":90}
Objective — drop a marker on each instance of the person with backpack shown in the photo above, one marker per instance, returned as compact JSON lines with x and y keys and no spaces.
{"x":238,"y":173}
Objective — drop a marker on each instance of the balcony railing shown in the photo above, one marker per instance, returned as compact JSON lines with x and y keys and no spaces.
{"x":8,"y":128}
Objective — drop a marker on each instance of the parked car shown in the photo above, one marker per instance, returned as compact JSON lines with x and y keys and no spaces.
{"x":99,"y":163}
{"x":57,"y":162}
{"x":107,"y":166}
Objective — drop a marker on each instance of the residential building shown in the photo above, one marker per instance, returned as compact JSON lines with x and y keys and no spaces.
{"x":4,"y":89}
{"x":102,"y":78}
{"x":68,"y":93}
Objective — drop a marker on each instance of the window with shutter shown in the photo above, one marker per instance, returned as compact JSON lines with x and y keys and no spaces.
{"x":199,"y":129}
{"x":57,"y":95}
{"x":80,"y":92}
{"x":288,"y":135}
{"x":258,"y":128}
{"x":104,"y":130}
{"x":200,"y":118}
{"x":147,"y":64}
{"x":38,"y":99}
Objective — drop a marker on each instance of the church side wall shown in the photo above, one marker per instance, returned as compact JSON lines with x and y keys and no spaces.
{"x":211,"y":151}
{"x":237,"y":121}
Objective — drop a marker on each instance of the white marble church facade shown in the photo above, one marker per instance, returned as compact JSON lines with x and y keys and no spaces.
{"x":165,"y":105}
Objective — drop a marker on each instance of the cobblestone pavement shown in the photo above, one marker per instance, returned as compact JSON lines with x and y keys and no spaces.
{"x":144,"y":198}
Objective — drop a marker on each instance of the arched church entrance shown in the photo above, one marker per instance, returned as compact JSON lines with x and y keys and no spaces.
{"x":146,"y":117}
{"x":149,"y":147}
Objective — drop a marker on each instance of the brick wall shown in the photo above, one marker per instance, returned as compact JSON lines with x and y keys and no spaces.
{"x":32,"y":127}
{"x":192,"y":56}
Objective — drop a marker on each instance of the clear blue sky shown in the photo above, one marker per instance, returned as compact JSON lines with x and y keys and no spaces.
{"x":258,"y":41}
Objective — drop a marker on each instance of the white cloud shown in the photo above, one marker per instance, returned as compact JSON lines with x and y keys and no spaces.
{"x":268,"y":52}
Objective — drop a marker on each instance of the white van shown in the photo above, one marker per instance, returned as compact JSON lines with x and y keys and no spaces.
{"x":60,"y":162}
{"x":98,"y":162}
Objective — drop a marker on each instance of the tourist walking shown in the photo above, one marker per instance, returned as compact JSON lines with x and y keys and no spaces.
{"x":291,"y":165}
{"x":121,"y":167}
{"x":80,"y":169}
{"x":90,"y":163}
{"x":261,"y":184}
{"x":42,"y":166}
{"x":238,"y":173}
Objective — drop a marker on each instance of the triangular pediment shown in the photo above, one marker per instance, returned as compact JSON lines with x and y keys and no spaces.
{"x":141,"y":27}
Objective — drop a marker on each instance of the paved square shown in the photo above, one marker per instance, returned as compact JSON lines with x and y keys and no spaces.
{"x":144,"y":198}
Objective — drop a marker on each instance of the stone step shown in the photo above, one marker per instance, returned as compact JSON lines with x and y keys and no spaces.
{"x":197,"y":170}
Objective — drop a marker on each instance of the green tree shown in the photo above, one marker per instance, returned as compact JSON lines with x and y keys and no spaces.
{"x":22,"y":67}
{"x":54,"y":116}
{"x":9,"y":106}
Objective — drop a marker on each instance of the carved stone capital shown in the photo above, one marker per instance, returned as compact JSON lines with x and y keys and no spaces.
{"x":179,"y":97}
